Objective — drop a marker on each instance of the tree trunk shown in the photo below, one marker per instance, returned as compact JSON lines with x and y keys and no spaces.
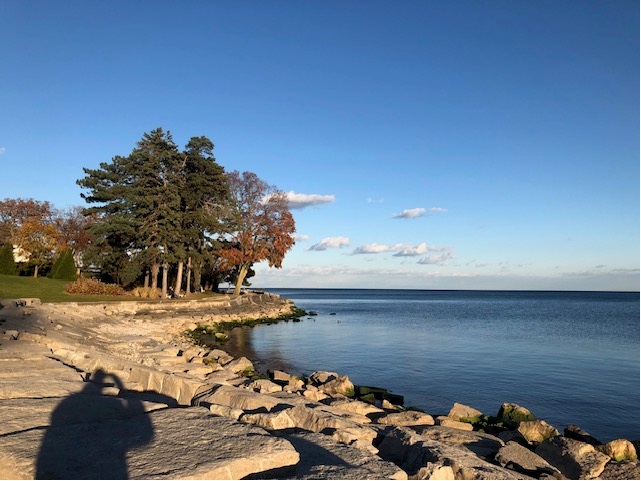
{"x":198,"y":270}
{"x":165,"y":272}
{"x":188,"y":286}
{"x":155,"y":268}
{"x":35,"y":272}
{"x":146,"y":279}
{"x":179,"y":278}
{"x":242,"y":272}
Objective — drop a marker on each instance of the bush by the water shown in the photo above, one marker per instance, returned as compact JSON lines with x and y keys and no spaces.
{"x":85,"y":285}
{"x":64,"y":268}
{"x":7,"y":262}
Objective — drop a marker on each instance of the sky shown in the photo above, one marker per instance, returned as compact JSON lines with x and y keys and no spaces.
{"x":423,"y":144}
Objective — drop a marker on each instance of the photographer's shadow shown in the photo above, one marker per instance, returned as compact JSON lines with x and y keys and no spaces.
{"x":90,"y":433}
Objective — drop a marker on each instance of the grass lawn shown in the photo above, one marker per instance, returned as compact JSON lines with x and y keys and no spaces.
{"x":53,"y":290}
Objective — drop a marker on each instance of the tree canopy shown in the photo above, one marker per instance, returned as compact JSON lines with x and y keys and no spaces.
{"x":260,"y":226}
{"x":164,"y":208}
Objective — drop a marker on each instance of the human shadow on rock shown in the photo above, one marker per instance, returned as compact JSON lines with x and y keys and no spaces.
{"x":90,"y":432}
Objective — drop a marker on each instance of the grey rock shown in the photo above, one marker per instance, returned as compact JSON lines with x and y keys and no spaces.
{"x":166,"y":444}
{"x":622,"y":470}
{"x":575,"y":459}
{"x":411,"y":452}
{"x":237,"y":398}
{"x":407,"y":418}
{"x":353,"y":406}
{"x":575,"y":432}
{"x":264,"y":386}
{"x":461,"y":411}
{"x":518,"y":458}
{"x":323,"y":458}
{"x":344,"y":430}
{"x":481,"y":444}
{"x":537,"y":431}
{"x":450,"y":423}
{"x":242,"y":364}
{"x":321,"y":377}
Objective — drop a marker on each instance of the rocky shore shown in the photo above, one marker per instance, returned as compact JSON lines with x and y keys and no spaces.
{"x":118,"y":391}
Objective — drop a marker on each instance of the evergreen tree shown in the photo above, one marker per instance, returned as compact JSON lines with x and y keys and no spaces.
{"x":154,"y":207}
{"x":205,"y":190}
{"x":7,"y":261}
{"x":64,"y":267}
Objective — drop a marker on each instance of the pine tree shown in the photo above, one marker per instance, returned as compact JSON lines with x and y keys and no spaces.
{"x":7,"y":262}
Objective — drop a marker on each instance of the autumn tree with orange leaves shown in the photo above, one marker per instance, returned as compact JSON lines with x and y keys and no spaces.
{"x":40,"y":240}
{"x":259,"y":225}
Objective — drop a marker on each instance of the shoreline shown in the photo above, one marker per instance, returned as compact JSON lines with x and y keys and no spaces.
{"x":144,"y":348}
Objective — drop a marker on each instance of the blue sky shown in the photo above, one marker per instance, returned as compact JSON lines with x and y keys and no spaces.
{"x":425,"y":144}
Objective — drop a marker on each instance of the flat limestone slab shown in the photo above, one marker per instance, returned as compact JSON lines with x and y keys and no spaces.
{"x":178,"y":443}
{"x":37,"y":378}
{"x":22,"y":414}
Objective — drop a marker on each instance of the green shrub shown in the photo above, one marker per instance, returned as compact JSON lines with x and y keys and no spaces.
{"x":7,"y":262}
{"x":64,"y":268}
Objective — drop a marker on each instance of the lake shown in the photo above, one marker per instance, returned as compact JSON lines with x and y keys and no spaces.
{"x":569,"y":357}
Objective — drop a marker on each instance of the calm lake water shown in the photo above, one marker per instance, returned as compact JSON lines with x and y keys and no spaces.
{"x":569,"y":357}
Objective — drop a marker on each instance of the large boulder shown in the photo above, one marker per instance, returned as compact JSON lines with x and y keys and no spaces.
{"x":353,"y":406}
{"x":342,"y":429}
{"x":341,"y":385}
{"x":575,"y":432}
{"x":514,"y":412}
{"x":461,"y":412}
{"x":407,"y":418}
{"x":321,"y":457}
{"x":321,"y":377}
{"x":240,"y":365}
{"x":264,"y":386}
{"x":518,"y":458}
{"x":536,"y":431}
{"x":412,"y":453}
{"x":481,"y":444}
{"x":575,"y":459}
{"x":619,"y":450}
{"x":450,"y":423}
{"x":237,"y":398}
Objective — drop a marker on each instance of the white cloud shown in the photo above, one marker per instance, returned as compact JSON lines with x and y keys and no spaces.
{"x":376,"y":249}
{"x":400,"y":250}
{"x":410,"y":213}
{"x":437,"y":259}
{"x":301,"y":237}
{"x":419,"y":212}
{"x":437,"y":210}
{"x":2,"y":150}
{"x":409,"y":251}
{"x":330,"y":243}
{"x":375,"y":201}
{"x":300,"y":201}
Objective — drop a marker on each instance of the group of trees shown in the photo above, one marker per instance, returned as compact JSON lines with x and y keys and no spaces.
{"x":162,"y":210}
{"x":42,"y":234}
